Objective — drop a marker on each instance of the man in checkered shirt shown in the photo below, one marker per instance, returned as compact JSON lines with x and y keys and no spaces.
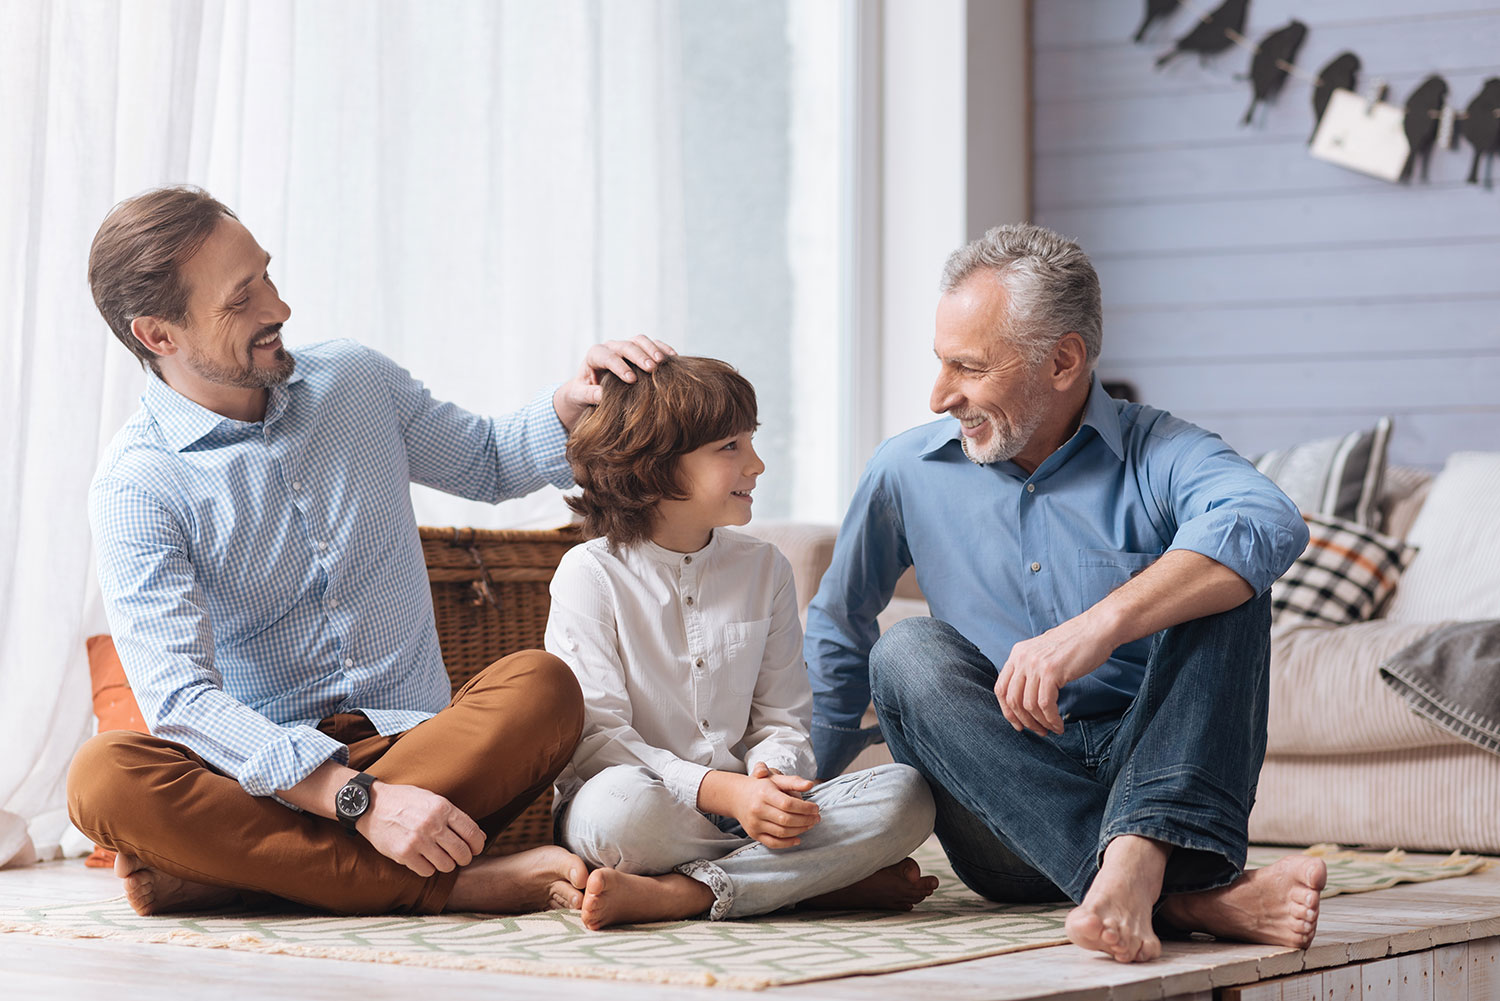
{"x":266,"y":590}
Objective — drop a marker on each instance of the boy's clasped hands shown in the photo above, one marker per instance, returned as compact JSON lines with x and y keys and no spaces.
{"x":767,"y":803}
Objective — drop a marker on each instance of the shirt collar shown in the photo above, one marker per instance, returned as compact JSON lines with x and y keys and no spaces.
{"x":1099,"y":413}
{"x":183,"y":422}
{"x":671,"y":557}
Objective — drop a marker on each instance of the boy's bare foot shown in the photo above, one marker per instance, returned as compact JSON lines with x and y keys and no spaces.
{"x":546,"y":878}
{"x":1115,"y":916}
{"x":151,"y":891}
{"x":898,"y":887}
{"x":1277,"y":905}
{"x":619,"y":898}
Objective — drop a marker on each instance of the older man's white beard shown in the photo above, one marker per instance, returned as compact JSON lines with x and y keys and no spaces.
{"x":1006,"y":441}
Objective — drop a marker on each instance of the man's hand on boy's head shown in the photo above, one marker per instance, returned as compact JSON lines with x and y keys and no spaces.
{"x":771,"y":807}
{"x":582,"y":391}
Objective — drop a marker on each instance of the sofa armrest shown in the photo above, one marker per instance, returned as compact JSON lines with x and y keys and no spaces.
{"x":1327,"y":696}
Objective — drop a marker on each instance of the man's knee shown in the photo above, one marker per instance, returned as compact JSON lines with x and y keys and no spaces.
{"x":903,"y":660}
{"x":544,"y":684}
{"x":101,"y":779}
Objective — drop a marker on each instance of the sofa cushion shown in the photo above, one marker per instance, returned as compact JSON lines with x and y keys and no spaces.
{"x":1346,"y":573}
{"x":1335,"y":477}
{"x":1327,"y":696}
{"x":1457,"y":573}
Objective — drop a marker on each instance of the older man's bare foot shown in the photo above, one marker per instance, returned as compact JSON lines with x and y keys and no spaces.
{"x":613,"y":897}
{"x":1115,"y":916}
{"x":1277,"y":905}
{"x":898,"y":887}
{"x":151,"y":891}
{"x":547,"y":878}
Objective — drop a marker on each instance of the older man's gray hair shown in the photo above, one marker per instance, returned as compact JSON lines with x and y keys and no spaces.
{"x":1050,"y":282}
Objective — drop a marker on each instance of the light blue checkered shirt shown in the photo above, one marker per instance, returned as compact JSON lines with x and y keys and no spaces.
{"x":260,"y":577}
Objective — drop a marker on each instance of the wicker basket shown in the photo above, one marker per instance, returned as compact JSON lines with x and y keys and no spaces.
{"x":490,"y":598}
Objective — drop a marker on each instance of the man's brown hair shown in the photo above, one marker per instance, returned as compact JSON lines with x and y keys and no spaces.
{"x":136,"y":261}
{"x":625,"y":451}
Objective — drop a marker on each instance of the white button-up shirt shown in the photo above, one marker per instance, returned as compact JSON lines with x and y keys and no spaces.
{"x":689,"y":662}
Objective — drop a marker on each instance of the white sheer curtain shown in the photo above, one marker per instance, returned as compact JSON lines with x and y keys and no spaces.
{"x":478,"y":189}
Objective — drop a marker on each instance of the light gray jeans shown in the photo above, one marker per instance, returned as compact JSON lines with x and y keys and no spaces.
{"x":626,"y":818}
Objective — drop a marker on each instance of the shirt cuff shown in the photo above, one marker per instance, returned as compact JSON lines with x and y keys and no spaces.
{"x":835,"y":747}
{"x":287,"y":759}
{"x":683,"y":779}
{"x":549,"y":439}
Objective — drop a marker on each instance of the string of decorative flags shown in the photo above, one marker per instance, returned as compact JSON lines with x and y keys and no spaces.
{"x":1360,"y":138}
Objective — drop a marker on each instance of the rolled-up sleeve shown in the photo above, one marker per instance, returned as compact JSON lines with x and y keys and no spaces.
{"x":1226,"y":509}
{"x":868,"y":558}
{"x":160,"y":624}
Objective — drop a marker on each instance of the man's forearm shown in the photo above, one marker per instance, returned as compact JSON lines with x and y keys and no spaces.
{"x":315,"y":793}
{"x":1179,"y":587}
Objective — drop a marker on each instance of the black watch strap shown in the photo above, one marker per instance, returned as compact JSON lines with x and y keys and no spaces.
{"x":353,"y":801}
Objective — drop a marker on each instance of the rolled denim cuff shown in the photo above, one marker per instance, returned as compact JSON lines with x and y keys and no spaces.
{"x":715,"y":879}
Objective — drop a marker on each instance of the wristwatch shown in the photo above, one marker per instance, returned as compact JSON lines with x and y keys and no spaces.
{"x":351,"y":802}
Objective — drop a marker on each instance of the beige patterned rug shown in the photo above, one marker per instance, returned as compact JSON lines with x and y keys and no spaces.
{"x":952,"y":925}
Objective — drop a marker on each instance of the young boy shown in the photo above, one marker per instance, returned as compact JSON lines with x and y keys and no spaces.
{"x":686,"y":792}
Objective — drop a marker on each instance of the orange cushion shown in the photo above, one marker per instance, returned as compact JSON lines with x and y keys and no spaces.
{"x":114,"y":707}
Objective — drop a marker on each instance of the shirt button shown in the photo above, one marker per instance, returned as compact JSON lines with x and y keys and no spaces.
{"x":1031,"y":488}
{"x":704,"y":724}
{"x":698,"y":662}
{"x":349,"y":662}
{"x":322,"y":545}
{"x":333,"y":603}
{"x":296,"y":485}
{"x":688,"y":600}
{"x":1035,"y":567}
{"x":687,"y":559}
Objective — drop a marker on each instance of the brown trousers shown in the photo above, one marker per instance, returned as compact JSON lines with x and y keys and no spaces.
{"x":500,"y":742}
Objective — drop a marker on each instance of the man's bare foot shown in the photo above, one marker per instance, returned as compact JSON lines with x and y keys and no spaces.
{"x":1115,"y":916}
{"x":898,"y":887}
{"x":613,"y":897}
{"x":546,"y":878}
{"x":151,"y":891}
{"x":1277,"y":905}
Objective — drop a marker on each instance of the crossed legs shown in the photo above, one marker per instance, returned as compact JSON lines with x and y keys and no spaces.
{"x":186,"y":833}
{"x":1116,"y":816}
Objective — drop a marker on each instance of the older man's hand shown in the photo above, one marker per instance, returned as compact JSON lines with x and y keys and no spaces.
{"x":582,"y":391}
{"x":1037,"y":669}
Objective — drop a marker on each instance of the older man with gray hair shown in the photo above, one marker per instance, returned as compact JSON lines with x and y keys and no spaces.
{"x":1088,"y":700}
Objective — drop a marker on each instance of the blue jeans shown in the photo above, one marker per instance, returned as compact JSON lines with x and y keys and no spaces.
{"x":1026,"y":818}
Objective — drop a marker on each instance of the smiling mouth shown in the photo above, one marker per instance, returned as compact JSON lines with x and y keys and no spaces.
{"x":741,"y":494}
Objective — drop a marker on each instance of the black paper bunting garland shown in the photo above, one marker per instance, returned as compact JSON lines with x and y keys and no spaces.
{"x":1274,"y":59}
{"x":1341,"y":73}
{"x":1213,"y":34}
{"x":1481,"y":126}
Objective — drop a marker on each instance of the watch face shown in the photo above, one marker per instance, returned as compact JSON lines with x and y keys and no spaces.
{"x":352,"y":800}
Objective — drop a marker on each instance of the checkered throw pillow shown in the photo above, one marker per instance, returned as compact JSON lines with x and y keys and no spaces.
{"x":1345,"y":575}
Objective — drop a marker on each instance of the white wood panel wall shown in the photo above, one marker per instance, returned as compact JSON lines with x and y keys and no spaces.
{"x":1254,"y":290}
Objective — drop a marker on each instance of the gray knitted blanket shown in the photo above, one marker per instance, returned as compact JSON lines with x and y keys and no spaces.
{"x":1452,"y":676}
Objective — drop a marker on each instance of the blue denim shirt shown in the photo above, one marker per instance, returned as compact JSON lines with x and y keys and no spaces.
{"x":1003,"y":556}
{"x":261,"y":576}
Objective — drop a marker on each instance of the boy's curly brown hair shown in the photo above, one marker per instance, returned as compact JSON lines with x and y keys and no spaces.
{"x":624,"y":451}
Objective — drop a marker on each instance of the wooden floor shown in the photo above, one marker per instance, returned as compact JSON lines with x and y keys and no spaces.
{"x":1448,"y":933}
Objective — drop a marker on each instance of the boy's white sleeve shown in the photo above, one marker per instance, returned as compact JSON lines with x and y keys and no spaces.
{"x":583,"y":632}
{"x":781,"y":709}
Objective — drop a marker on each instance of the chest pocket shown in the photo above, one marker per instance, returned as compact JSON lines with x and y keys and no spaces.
{"x":1100,"y":571}
{"x":744,"y":648}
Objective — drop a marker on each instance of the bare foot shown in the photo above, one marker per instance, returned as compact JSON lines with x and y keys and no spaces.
{"x":1277,"y":905}
{"x":1115,"y":916}
{"x":151,"y":891}
{"x":546,"y":878}
{"x":898,"y":887}
{"x":619,"y":898}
